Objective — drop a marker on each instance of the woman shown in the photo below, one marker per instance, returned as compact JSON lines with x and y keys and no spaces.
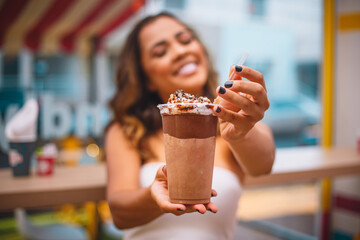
{"x":162,"y":55}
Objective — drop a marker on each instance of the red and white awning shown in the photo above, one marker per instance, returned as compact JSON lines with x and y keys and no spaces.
{"x":52,"y":26}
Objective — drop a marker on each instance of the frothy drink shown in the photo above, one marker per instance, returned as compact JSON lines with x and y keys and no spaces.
{"x":189,"y":135}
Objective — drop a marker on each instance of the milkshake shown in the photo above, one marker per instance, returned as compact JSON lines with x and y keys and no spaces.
{"x":190,"y":128}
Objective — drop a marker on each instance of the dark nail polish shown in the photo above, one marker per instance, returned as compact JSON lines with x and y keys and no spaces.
{"x":228,"y":84}
{"x":218,"y":110}
{"x":222,"y":90}
{"x":179,"y":209}
{"x":198,"y":211}
{"x":210,"y":210}
{"x":238,"y":68}
{"x":212,"y":195}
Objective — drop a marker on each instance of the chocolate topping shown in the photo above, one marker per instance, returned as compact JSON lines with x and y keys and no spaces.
{"x":180,"y":96}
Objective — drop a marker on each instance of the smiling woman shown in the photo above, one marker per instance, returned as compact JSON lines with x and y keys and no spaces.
{"x":160,"y":56}
{"x":150,"y":60}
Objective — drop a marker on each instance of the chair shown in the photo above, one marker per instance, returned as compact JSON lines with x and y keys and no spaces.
{"x":111,"y":231}
{"x":108,"y":228}
{"x":47,"y":232}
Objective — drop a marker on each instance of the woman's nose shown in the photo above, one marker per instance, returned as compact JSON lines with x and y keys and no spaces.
{"x":179,"y":51}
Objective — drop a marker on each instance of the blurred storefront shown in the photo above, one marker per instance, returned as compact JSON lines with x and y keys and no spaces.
{"x":63,"y":53}
{"x":54,"y":51}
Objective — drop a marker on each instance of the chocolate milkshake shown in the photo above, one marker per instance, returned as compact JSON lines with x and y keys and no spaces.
{"x":189,"y":135}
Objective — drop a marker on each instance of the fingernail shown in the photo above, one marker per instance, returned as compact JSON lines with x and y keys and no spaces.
{"x":212,"y":195}
{"x":198,"y":211}
{"x":210,"y":210}
{"x":163,"y":169}
{"x":228,"y":84}
{"x":179,"y":209}
{"x":222,"y":90}
{"x":218,"y":110}
{"x":238,"y":68}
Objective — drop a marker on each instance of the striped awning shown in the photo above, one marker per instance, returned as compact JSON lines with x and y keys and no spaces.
{"x":52,"y":26}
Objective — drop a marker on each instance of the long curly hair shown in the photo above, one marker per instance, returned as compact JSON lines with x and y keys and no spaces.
{"x":134,"y":105}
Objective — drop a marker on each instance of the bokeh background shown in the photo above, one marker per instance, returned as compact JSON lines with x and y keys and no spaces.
{"x":64,"y":53}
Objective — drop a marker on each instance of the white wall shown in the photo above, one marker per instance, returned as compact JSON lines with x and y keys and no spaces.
{"x":347,"y":82}
{"x":347,"y":110}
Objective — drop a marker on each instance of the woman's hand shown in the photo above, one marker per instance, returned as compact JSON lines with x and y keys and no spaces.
{"x":160,"y":193}
{"x":242,"y":103}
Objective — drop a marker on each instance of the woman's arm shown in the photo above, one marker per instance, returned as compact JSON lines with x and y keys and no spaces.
{"x":255,"y":152}
{"x":242,"y":105}
{"x":130,"y":205}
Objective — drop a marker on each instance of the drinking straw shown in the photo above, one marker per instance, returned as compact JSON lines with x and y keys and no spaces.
{"x":241,"y":62}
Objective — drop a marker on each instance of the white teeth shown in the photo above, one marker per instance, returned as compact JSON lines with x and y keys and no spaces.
{"x":188,"y":69}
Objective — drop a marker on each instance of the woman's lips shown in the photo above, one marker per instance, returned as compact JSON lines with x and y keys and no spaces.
{"x":187,"y":69}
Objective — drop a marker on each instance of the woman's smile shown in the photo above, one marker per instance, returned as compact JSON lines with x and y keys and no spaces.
{"x":187,"y":69}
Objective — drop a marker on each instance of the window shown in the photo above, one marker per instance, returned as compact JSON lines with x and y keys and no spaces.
{"x":177,"y":4}
{"x":257,"y":8}
{"x":283,"y":39}
{"x":57,"y":75}
{"x":10,"y":72}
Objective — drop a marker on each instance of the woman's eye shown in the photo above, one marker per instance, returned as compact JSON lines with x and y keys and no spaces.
{"x":185,"y":38}
{"x":159,"y":52}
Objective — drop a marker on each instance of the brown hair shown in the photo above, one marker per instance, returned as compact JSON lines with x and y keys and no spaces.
{"x":134,"y":105}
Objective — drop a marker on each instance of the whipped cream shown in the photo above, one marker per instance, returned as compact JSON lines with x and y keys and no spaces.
{"x":181,"y":102}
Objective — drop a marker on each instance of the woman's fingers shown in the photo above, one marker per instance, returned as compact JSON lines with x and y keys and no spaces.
{"x":161,"y":197}
{"x":232,"y":75}
{"x":161,"y":173}
{"x":237,"y":119}
{"x":200,"y":208}
{"x":257,"y":91}
{"x":248,"y":73}
{"x":211,"y":207}
{"x":164,"y":170}
{"x":249,"y":107}
{"x":213,"y":193}
{"x":160,"y":194}
{"x":177,"y":209}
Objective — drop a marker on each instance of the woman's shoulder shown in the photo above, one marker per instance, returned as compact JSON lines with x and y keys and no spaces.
{"x":114,"y":128}
{"x":117,"y":144}
{"x":115,"y":132}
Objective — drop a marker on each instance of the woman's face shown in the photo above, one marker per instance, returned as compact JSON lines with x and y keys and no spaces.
{"x":172,"y":58}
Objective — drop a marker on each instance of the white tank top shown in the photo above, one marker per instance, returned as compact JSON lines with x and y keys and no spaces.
{"x":209,"y":226}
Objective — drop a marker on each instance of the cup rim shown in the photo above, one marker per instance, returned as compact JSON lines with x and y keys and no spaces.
{"x":199,"y":108}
